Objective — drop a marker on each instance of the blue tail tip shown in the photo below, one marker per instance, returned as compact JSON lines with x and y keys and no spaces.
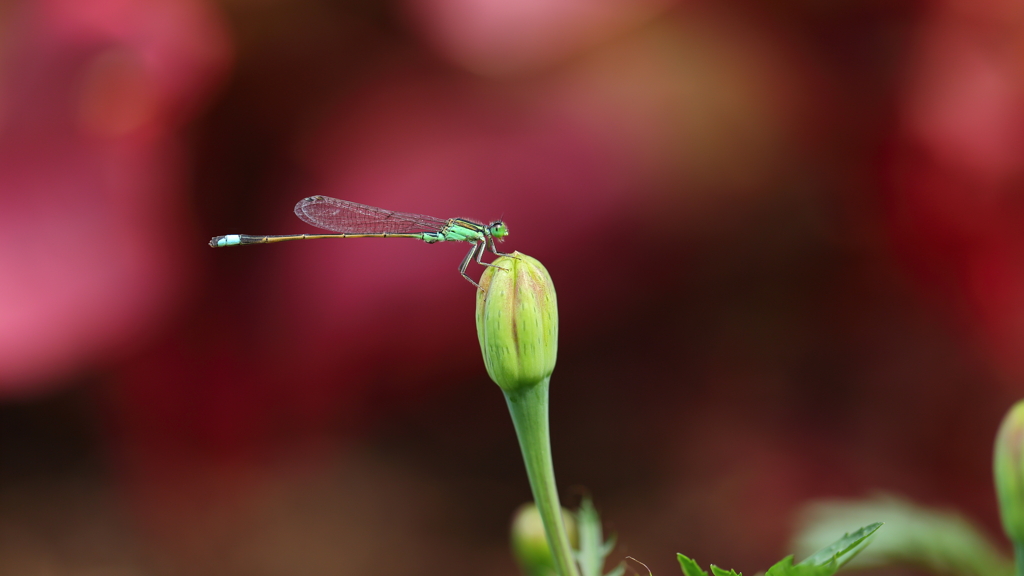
{"x":229,"y":240}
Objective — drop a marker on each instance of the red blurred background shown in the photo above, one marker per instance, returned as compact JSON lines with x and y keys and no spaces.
{"x":787,"y":238}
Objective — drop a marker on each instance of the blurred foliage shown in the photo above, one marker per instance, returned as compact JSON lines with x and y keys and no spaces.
{"x":593,"y":548}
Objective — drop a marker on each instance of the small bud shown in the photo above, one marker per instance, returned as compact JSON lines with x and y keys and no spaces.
{"x":530,"y":544}
{"x":517,"y":322}
{"x":1008,"y":464}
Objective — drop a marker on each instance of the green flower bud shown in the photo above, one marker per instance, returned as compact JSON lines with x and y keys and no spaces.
{"x":1008,"y":464}
{"x":530,"y":544}
{"x":517,"y":322}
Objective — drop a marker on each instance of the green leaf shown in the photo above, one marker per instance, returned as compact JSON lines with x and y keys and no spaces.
{"x":829,"y":559}
{"x":843,"y":550}
{"x":938,"y":541}
{"x":785,"y":567}
{"x":824,"y":562}
{"x":689,"y":566}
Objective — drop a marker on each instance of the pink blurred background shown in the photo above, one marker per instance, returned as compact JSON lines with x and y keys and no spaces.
{"x":787,"y":238}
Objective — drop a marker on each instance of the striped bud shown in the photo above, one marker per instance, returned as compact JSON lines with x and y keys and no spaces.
{"x":517,"y":322}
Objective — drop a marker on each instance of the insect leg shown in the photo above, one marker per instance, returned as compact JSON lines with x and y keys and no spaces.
{"x":494,"y":250}
{"x":480,"y":256}
{"x":465,"y":264}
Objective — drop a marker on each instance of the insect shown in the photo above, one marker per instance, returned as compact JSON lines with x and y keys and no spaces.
{"x":352,"y":220}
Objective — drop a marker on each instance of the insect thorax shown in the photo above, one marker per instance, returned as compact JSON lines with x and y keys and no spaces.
{"x":460,"y":230}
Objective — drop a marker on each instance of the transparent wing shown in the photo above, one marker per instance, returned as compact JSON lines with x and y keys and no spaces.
{"x":346,"y":217}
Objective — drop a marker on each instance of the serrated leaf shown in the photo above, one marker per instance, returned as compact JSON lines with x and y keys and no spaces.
{"x":938,"y":541}
{"x":824,"y":562}
{"x":720,"y":572}
{"x":689,"y":566}
{"x":843,"y":550}
{"x":828,"y":560}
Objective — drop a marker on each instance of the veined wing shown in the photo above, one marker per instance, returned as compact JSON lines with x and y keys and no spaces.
{"x":346,"y":217}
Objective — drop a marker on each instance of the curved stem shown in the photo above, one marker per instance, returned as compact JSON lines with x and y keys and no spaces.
{"x":529,"y":408}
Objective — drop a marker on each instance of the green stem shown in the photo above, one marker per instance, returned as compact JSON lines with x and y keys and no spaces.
{"x":1018,"y":553}
{"x":529,"y":408}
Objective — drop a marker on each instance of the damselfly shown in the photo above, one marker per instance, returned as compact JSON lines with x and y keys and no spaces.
{"x":352,"y":220}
